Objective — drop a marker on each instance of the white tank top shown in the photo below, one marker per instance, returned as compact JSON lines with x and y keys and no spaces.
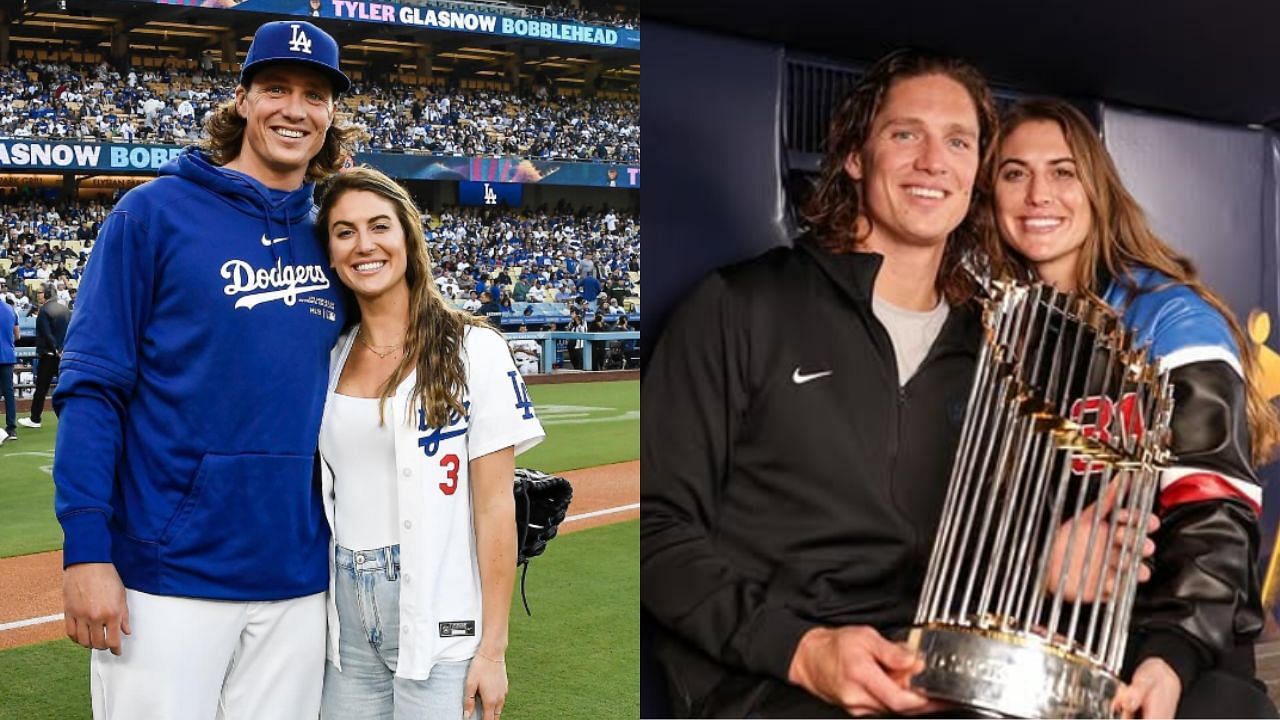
{"x":363,"y":458}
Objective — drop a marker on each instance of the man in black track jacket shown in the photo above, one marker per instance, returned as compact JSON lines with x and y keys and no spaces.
{"x":810,"y":402}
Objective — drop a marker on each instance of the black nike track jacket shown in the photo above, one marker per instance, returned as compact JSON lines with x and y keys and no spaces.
{"x":788,"y":481}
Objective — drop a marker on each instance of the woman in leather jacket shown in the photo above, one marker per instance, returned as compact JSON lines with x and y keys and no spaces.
{"x":1066,"y":219}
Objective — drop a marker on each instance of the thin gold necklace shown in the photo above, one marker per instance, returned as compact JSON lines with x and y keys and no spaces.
{"x":374,"y":348}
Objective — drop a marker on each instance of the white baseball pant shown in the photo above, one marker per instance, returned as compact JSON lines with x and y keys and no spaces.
{"x":194,"y":659}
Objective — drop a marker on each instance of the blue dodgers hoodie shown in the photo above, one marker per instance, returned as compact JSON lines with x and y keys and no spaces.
{"x":191,"y":390}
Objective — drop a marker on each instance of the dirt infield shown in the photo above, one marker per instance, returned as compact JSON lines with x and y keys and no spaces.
{"x":33,"y":583}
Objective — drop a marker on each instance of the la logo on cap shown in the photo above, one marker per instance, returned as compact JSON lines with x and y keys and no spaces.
{"x":300,"y":41}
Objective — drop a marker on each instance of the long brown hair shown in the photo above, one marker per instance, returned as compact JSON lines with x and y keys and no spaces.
{"x":1122,"y":240}
{"x":833,"y":209}
{"x":433,"y":340}
{"x":224,"y":136}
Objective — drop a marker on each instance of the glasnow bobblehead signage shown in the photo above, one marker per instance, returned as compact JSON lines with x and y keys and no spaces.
{"x":460,"y":20}
{"x":42,"y":155}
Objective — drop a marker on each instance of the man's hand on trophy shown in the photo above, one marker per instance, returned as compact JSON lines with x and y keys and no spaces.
{"x":1153,"y":694}
{"x":856,"y":668}
{"x":1085,"y":561}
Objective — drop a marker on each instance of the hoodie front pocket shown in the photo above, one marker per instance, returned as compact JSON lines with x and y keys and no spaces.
{"x":243,"y":506}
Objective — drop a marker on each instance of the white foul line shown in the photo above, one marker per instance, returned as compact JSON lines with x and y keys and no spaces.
{"x":54,"y":618}
{"x":33,"y":621}
{"x":595,"y":513}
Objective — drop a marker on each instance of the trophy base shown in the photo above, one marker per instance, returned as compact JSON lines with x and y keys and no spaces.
{"x":1009,"y":675}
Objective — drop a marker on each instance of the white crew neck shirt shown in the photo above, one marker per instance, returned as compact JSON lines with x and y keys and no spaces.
{"x":912,"y":333}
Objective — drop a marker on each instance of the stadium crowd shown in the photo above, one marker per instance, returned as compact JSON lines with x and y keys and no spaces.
{"x":34,"y":246}
{"x":582,"y":260}
{"x":94,"y":102}
{"x":606,"y":13}
{"x":168,"y":105}
{"x":483,"y":122}
{"x":537,"y":269}
{"x":545,"y":256}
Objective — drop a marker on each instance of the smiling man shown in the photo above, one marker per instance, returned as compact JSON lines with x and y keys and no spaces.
{"x":809,"y":402}
{"x":191,"y":390}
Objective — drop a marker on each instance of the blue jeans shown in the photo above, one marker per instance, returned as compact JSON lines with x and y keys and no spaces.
{"x":367,"y":589}
{"x":10,"y":405}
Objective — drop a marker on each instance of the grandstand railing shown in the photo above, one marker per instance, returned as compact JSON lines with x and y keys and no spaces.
{"x":548,"y":340}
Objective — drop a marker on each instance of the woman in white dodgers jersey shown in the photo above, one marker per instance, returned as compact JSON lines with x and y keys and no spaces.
{"x":424,"y":417}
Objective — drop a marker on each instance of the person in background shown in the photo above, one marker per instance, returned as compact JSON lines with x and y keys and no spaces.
{"x":527,"y":353}
{"x":51,"y":336}
{"x":576,"y":325}
{"x":490,"y":310}
{"x":9,"y":334}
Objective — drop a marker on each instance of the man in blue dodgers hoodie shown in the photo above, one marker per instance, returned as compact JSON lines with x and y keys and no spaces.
{"x":192,"y":386}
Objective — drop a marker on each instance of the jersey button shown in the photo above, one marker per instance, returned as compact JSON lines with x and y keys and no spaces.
{"x":407,"y":579}
{"x":407,"y":472}
{"x":408,"y":524}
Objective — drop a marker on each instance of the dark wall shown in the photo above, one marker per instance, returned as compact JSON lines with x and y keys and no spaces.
{"x":712,"y":195}
{"x":709,"y":112}
{"x":1202,"y":187}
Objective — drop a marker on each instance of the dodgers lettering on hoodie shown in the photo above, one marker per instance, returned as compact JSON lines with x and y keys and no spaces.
{"x":192,"y":386}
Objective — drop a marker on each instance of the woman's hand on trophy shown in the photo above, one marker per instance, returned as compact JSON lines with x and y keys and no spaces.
{"x":856,"y":668}
{"x":1090,"y":566}
{"x":1153,"y":694}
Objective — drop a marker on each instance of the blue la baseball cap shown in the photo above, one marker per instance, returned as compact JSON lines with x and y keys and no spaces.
{"x":294,"y":41}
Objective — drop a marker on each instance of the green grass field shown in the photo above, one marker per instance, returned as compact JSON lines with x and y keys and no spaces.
{"x":587,"y":424}
{"x":577,"y":657}
{"x":27,"y":524}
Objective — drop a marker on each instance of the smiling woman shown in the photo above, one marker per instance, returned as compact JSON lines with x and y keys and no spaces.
{"x":422,"y":486}
{"x":1066,"y":219}
{"x":367,"y":244}
{"x":1044,"y":213}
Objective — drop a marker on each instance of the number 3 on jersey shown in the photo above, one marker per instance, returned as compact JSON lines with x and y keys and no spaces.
{"x":450,"y":463}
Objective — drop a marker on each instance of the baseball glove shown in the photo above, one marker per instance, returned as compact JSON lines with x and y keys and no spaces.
{"x":542,"y":501}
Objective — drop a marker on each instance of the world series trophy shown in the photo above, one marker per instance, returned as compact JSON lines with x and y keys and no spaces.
{"x":1026,"y":603}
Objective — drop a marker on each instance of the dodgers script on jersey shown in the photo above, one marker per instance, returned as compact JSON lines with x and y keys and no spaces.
{"x":254,"y":286}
